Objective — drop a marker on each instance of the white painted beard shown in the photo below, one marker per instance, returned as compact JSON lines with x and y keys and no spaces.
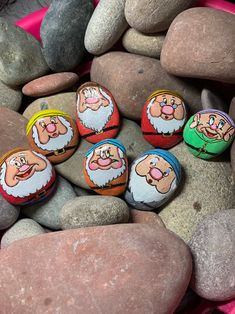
{"x":29,"y":186}
{"x":163,"y":126}
{"x":96,"y":120}
{"x":102,"y":177}
{"x":143,"y":192}
{"x":55,"y":143}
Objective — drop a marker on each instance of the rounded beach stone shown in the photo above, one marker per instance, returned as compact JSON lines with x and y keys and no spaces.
{"x":72,"y":168}
{"x":23,"y":228}
{"x":212,"y":101}
{"x":232,"y":109}
{"x":97,"y":113}
{"x":82,"y":192}
{"x":106,"y":26}
{"x":10,"y":97}
{"x":47,"y":213}
{"x":8,"y":213}
{"x":213,"y":249}
{"x":132,"y":78}
{"x":21,"y":59}
{"x":131,"y":137}
{"x":50,"y":84}
{"x":64,"y":101}
{"x":145,"y":217}
{"x":146,"y":45}
{"x":105,"y":258}
{"x":201,"y":194}
{"x":12,"y":130}
{"x":208,"y":56}
{"x":232,"y":154}
{"x":88,"y":211}
{"x":63,"y":37}
{"x":153,"y":16}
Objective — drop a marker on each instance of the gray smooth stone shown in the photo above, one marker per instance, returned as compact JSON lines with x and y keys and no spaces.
{"x":62,"y":33}
{"x":21,"y":59}
{"x":10,"y":97}
{"x":212,"y":101}
{"x":24,"y":228}
{"x":88,"y":211}
{"x":8,"y":213}
{"x":106,"y":26}
{"x":47,"y":212}
{"x":213,"y":250}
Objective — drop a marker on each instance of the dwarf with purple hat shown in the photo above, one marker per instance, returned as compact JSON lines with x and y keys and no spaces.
{"x":208,"y":133}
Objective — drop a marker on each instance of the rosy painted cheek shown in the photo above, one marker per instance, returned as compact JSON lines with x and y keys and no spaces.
{"x":118,"y":164}
{"x":93,"y":166}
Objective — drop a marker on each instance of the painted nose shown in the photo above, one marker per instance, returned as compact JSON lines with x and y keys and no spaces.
{"x":92,"y":100}
{"x":213,"y":127}
{"x":51,"y":128}
{"x":167,"y":110}
{"x":104,"y":162}
{"x":24,"y":168}
{"x":156,"y":174}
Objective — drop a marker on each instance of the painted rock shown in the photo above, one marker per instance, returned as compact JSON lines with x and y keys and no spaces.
{"x":163,"y":118}
{"x":97,"y":113}
{"x":25,"y":176}
{"x":106,"y":167}
{"x":154,"y":177}
{"x":53,"y":133}
{"x":208,"y":133}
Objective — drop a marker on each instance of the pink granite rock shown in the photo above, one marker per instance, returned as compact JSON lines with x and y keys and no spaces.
{"x":50,"y":84}
{"x":145,"y":217}
{"x":130,"y":268}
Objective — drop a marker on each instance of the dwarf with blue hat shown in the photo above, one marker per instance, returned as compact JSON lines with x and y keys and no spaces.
{"x":106,"y":167}
{"x":154,"y":178}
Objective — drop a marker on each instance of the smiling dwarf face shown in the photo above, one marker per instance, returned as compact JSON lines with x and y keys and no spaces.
{"x":92,"y":98}
{"x":213,"y":125}
{"x":22,"y":166}
{"x":157,"y":172}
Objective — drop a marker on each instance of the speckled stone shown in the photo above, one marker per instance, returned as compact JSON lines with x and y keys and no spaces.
{"x":145,"y":217}
{"x":155,"y":15}
{"x":50,"y":84}
{"x":207,"y":187}
{"x":47,"y":212}
{"x":200,"y":44}
{"x":132,"y":78}
{"x":64,"y":101}
{"x":106,"y":26}
{"x":88,"y":211}
{"x":107,"y":269}
{"x":62,"y":32}
{"x":21,"y":59}
{"x":10,"y":97}
{"x":213,"y":249}
{"x":212,"y":101}
{"x":23,"y":228}
{"x":8,"y":213}
{"x":145,"y":45}
{"x":12,"y":130}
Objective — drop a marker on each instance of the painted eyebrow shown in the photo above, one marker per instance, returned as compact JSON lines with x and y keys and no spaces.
{"x":12,"y":161}
{"x":212,"y":116}
{"x":22,"y":155}
{"x":173,"y":97}
{"x":222,"y":120}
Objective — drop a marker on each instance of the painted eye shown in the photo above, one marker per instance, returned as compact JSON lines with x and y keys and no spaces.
{"x":212,"y":120}
{"x":174,"y":106}
{"x":43,"y":124}
{"x":23,"y":161}
{"x":53,"y":120}
{"x":153,"y":162}
{"x":172,"y":101}
{"x":167,"y":172}
{"x":165,"y":100}
{"x":221,"y":124}
{"x":17,"y":164}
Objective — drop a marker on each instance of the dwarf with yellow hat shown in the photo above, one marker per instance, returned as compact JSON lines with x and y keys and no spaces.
{"x":53,"y":133}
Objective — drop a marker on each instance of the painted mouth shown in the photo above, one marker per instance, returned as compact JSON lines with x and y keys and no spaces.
{"x":210,"y":134}
{"x":54,"y":135}
{"x":25,"y":174}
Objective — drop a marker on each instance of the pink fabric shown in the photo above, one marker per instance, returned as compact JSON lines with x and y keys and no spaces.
{"x":217,"y":4}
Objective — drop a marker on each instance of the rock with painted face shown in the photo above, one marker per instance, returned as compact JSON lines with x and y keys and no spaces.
{"x":163,"y":118}
{"x":25,"y":176}
{"x":97,"y":113}
{"x":154,"y":178}
{"x":106,"y":167}
{"x":53,"y":133}
{"x":208,"y":133}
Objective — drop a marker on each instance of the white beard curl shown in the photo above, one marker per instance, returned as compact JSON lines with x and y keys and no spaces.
{"x":143,"y":192}
{"x":161,"y":125}
{"x":29,"y":186}
{"x":55,"y":143}
{"x":96,"y":120}
{"x":102,"y":177}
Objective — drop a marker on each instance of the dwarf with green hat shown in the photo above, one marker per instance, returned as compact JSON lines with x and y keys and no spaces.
{"x":208,"y":133}
{"x":154,"y":177}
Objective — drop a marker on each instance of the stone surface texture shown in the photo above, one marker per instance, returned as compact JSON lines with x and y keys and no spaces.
{"x":10,"y":97}
{"x":8,"y":213}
